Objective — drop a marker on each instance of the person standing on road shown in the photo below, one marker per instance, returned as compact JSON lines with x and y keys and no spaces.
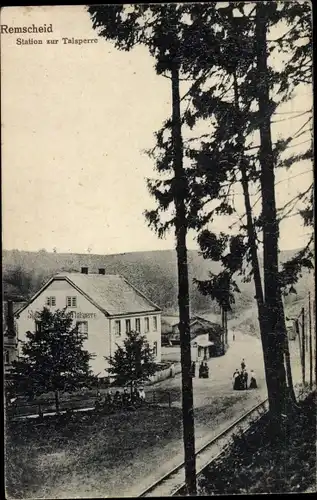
{"x":253,"y":384}
{"x":245,"y":379}
{"x":243,"y":365}
{"x":235,"y":378}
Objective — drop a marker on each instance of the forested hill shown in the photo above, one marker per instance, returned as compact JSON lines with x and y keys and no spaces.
{"x":154,"y":273}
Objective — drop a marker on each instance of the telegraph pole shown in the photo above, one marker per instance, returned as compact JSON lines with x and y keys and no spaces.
{"x":303,"y":346}
{"x":314,"y":312}
{"x":310,"y":344}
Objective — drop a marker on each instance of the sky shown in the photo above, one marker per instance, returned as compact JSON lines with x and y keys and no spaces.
{"x":76,"y":121}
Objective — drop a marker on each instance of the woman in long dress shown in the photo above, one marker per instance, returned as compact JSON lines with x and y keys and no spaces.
{"x":244,"y":377}
{"x":236,"y":380}
{"x":253,"y":384}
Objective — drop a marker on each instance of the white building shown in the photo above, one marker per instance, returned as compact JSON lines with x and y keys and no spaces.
{"x":104,"y":307}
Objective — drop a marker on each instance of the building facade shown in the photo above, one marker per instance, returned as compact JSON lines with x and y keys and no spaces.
{"x":104,"y":308}
{"x":207,"y":338}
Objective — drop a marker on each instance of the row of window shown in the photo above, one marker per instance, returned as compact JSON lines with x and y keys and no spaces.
{"x":82,"y":326}
{"x":128,"y":325}
{"x":70,"y":301}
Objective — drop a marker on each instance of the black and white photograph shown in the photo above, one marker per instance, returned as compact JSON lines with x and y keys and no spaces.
{"x":158,"y":289}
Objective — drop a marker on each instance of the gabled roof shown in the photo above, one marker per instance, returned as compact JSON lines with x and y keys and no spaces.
{"x":207,"y":323}
{"x":202,"y":321}
{"x":214,"y":330}
{"x":111,"y":293}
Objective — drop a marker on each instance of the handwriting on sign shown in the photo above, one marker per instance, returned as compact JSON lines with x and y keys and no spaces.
{"x":81,"y":315}
{"x":75,"y":315}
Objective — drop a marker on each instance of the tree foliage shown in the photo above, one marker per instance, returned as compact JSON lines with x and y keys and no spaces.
{"x":237,"y":92}
{"x":18,"y":281}
{"x":53,"y":358}
{"x":133,"y":361}
{"x":212,"y":43}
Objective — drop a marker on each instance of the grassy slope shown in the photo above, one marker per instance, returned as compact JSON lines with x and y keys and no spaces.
{"x":257,"y":463}
{"x":94,"y":455}
{"x":154,"y":273}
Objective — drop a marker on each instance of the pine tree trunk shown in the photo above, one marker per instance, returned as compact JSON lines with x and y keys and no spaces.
{"x":314,"y":313}
{"x":303,"y":347}
{"x":183,"y":288}
{"x":288,"y":366}
{"x":251,"y":230}
{"x":252,"y":240}
{"x":223,"y":328}
{"x":276,"y":378}
{"x":255,"y":262}
{"x":310,"y":343}
{"x":259,"y":290}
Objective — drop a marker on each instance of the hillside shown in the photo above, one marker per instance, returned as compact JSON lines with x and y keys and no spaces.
{"x":154,"y":273}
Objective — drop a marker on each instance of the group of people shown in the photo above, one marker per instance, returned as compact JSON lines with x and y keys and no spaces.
{"x":120,"y":400}
{"x":203,"y":371}
{"x":242,"y":379}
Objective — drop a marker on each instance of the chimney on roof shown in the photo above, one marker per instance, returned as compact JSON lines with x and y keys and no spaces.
{"x":102,"y":270}
{"x":84,"y":270}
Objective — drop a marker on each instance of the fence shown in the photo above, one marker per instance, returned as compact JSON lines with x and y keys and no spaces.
{"x":305,"y":325}
{"x":171,"y":371}
{"x":158,"y":398}
{"x":39,"y":407}
{"x":47,"y":407}
{"x":87,"y":399}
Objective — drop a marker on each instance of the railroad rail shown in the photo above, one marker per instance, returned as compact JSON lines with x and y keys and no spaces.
{"x":172,"y":483}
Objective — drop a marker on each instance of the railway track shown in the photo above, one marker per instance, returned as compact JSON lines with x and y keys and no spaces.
{"x":171,"y":483}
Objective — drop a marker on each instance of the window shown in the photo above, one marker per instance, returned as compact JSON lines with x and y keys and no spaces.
{"x":6,"y":357}
{"x":147,"y":324}
{"x":155,"y":323}
{"x":155,"y":348}
{"x":117,"y":328}
{"x":71,"y":301}
{"x":127,"y":325}
{"x":38,"y":326}
{"x":82,"y":327}
{"x":138,"y":324}
{"x":51,"y":301}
